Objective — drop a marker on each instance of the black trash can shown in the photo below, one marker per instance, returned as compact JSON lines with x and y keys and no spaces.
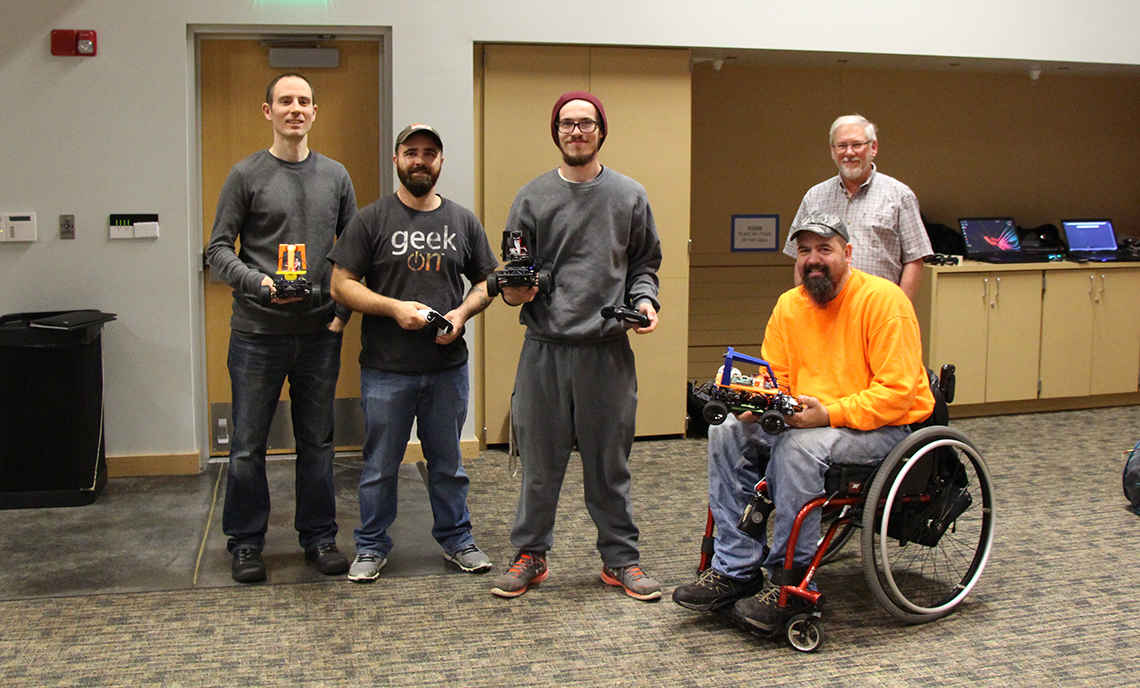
{"x":52,"y":452}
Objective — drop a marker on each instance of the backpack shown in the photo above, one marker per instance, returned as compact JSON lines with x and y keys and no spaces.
{"x":945,"y":240}
{"x":1132,"y":479}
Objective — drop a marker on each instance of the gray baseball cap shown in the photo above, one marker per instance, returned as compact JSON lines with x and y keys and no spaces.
{"x":824,"y":224}
{"x":415,"y":128}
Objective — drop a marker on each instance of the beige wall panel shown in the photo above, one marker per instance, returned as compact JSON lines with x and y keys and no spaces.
{"x":646,"y":94}
{"x":520,"y":85}
{"x":649,"y":110}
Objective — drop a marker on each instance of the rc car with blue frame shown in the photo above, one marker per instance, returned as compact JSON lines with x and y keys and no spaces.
{"x":733,"y":392}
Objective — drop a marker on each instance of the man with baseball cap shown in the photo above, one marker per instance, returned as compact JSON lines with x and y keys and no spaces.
{"x":576,"y":383}
{"x":847,"y":344}
{"x":413,"y":249}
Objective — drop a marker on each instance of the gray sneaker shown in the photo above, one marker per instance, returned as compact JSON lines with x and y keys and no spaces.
{"x":634,"y":581}
{"x":366,"y":568}
{"x":471,"y":559}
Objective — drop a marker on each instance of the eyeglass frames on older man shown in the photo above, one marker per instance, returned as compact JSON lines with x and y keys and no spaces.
{"x":856,"y":147}
{"x":586,"y":126}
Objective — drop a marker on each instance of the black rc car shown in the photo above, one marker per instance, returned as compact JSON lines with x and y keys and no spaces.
{"x":521,"y":269}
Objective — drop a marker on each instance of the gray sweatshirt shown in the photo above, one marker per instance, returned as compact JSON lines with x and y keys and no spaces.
{"x":600,"y":243}
{"x":266,"y":202}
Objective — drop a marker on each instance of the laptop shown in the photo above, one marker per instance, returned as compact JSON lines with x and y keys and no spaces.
{"x":994,"y":240}
{"x":1090,"y":240}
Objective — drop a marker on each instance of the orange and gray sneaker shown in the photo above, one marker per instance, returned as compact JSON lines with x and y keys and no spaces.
{"x":529,"y":568}
{"x":636,"y":584}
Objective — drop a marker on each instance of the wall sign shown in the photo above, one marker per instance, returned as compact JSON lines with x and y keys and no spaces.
{"x":755,"y":232}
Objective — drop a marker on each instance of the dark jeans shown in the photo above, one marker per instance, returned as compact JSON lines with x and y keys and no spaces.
{"x":259,"y":365}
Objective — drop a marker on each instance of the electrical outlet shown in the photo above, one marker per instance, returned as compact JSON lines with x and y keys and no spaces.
{"x":66,"y":226}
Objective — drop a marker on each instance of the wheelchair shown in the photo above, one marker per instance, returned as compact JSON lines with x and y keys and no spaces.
{"x":926,"y":521}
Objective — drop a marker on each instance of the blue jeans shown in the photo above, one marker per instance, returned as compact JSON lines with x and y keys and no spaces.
{"x":437,"y":401}
{"x":259,"y":365}
{"x":795,"y":472}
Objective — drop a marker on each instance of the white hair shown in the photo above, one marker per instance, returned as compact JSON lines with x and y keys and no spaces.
{"x":868,"y":127}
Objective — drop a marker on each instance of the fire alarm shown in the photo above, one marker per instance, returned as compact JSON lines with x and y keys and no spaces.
{"x":67,"y":42}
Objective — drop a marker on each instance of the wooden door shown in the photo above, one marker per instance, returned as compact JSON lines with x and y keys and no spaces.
{"x":959,"y":332}
{"x":1116,"y":331}
{"x":1014,"y":345}
{"x":1067,"y":333}
{"x":233,"y":76}
{"x":648,"y":104}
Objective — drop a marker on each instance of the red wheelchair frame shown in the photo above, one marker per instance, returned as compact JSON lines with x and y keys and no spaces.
{"x":925,"y":543}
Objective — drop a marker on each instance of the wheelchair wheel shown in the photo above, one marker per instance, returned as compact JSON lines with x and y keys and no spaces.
{"x":926,"y":545}
{"x":804,"y":632}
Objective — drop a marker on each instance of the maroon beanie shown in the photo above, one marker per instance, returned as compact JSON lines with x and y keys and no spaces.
{"x":578,"y":95}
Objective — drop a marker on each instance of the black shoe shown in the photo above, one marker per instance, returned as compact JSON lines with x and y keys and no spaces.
{"x":247,"y":566}
{"x":328,"y":559}
{"x":762,"y":612}
{"x":713,"y":590}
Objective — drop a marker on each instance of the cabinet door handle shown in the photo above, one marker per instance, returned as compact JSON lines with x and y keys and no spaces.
{"x":1103,"y":284}
{"x":997,"y":291}
{"x":1092,"y":286}
{"x":986,"y":292}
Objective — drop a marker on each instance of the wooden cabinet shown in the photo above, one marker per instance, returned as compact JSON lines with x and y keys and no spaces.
{"x":1033,"y":331}
{"x":1090,"y":331}
{"x":987,"y":325}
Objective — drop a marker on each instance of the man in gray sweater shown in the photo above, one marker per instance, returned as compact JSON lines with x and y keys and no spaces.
{"x":576,"y":384}
{"x":282,"y":197}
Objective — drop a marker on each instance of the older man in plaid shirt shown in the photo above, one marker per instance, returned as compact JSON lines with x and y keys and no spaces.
{"x":888,"y":237}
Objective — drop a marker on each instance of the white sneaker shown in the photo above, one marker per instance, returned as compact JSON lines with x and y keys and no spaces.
{"x":366,"y":567}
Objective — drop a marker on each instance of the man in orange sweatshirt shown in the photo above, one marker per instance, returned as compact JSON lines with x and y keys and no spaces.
{"x":847,"y":344}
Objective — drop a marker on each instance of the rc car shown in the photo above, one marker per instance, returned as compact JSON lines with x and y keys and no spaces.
{"x":521,"y":269}
{"x":291,"y":265}
{"x":733,"y":392}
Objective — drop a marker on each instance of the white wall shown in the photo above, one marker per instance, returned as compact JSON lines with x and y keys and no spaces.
{"x":117,"y":133}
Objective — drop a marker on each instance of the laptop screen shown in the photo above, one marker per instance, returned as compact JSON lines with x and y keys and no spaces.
{"x":1089,"y":235}
{"x":989,"y":235}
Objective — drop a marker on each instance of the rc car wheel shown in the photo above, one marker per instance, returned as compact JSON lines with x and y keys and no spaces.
{"x":772,"y":422}
{"x":715,"y":412}
{"x":805,"y":632}
{"x":544,"y":282}
{"x":493,"y":285}
{"x":315,"y":295}
{"x":265,"y":295}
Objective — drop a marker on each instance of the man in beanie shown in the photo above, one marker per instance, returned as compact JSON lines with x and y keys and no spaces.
{"x":847,"y":343}
{"x":576,"y":385}
{"x":412,"y":249}
{"x":888,"y":237}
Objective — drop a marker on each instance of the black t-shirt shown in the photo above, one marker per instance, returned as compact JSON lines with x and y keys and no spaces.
{"x":410,"y":255}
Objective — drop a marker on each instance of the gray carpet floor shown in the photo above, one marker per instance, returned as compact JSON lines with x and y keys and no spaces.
{"x":1058,"y":603}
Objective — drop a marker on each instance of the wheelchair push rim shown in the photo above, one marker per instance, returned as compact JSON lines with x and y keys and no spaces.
{"x":915,"y":582}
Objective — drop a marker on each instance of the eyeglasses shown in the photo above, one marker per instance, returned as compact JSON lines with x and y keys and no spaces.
{"x":856,"y":147}
{"x":586,"y":126}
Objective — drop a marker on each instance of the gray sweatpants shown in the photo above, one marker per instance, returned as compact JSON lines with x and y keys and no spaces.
{"x":585,"y":392}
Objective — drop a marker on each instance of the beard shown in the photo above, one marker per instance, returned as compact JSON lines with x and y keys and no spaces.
{"x":580,"y":159}
{"x":820,"y":285}
{"x":419,"y":180}
{"x":848,"y":172}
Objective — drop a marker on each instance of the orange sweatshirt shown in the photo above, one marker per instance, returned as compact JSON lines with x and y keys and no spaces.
{"x":861,"y":356}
